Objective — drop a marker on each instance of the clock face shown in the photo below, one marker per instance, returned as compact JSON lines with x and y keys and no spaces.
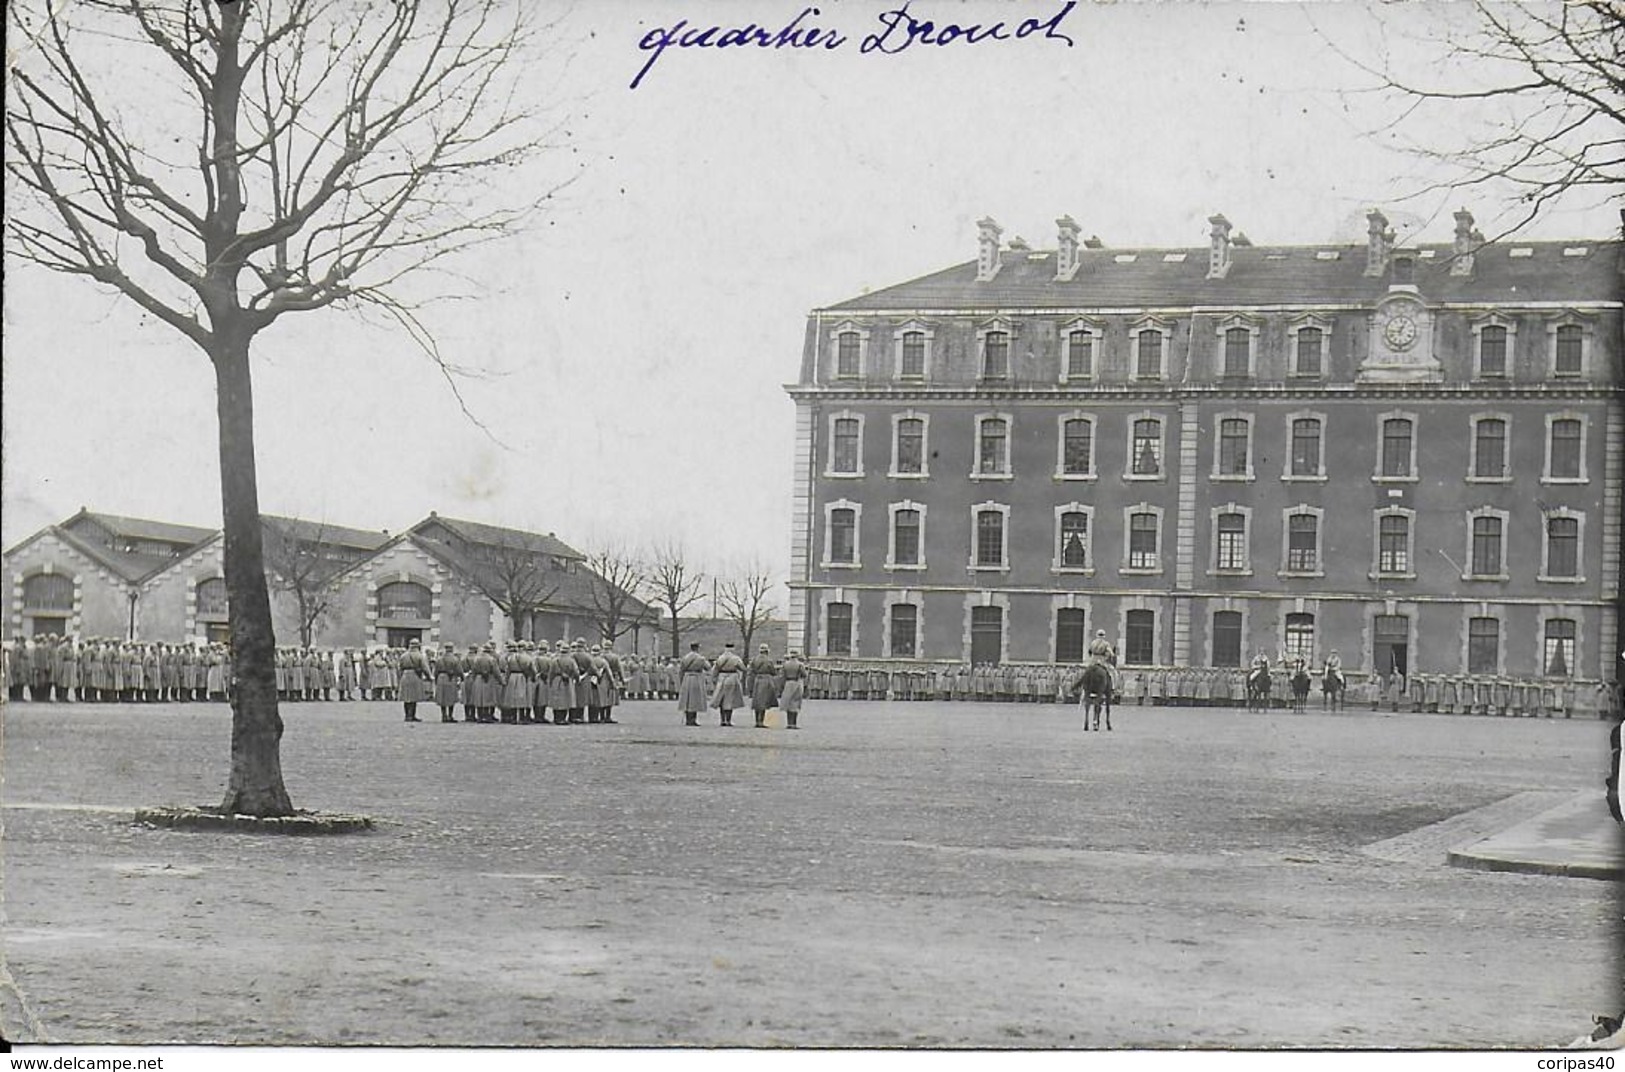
{"x":1400,"y":332}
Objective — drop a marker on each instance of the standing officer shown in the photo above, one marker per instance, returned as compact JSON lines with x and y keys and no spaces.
{"x":729,"y":694}
{"x":691,"y":687}
{"x":415,"y":678}
{"x":448,"y":676}
{"x":762,"y":682}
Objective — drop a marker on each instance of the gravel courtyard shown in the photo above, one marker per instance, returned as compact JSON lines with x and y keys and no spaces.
{"x":891,"y":875}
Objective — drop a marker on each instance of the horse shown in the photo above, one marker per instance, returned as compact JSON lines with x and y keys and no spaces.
{"x":1300,"y":689}
{"x":1094,"y":688}
{"x":1258,"y":688}
{"x":1332,"y":687}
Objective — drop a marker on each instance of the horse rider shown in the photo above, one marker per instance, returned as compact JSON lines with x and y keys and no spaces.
{"x":1334,"y":668}
{"x":1101,"y":653}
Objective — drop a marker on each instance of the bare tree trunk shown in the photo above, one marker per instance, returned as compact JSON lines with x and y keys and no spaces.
{"x":676,"y":638}
{"x":256,"y":785}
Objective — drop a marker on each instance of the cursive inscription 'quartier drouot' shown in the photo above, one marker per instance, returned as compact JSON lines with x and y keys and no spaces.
{"x":900,"y":30}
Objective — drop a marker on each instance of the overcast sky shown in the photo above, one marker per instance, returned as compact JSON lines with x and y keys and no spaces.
{"x":639,"y":339}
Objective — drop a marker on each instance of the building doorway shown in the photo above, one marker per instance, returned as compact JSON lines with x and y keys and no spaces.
{"x":1391,"y":645}
{"x":43,"y":625}
{"x":398,"y":637}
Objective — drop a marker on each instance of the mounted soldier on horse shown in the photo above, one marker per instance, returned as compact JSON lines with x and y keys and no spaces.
{"x":1098,"y":681}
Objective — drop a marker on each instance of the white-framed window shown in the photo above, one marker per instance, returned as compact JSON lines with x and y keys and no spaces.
{"x":1393,"y":546}
{"x":913,"y":342}
{"x":1298,"y":636}
{"x":1483,"y":655}
{"x":993,"y":344}
{"x":1074,"y":539}
{"x":1396,"y":447}
{"x":1229,"y":626}
{"x":840,"y":627}
{"x":848,"y":350}
{"x":1150,"y":339}
{"x":1486,"y":544}
{"x":990,"y":536}
{"x":1308,"y":344}
{"x":842,"y":528}
{"x":910,"y":446}
{"x":1562,"y":551}
{"x":1145,"y":443}
{"x":905,"y":542}
{"x":1302,"y":528}
{"x":1233,"y":447}
{"x":1490,"y":449}
{"x":1237,"y":356}
{"x":902,"y":625}
{"x":1080,"y":350}
{"x":1231,"y":553}
{"x":1075,"y":446}
{"x":993,"y":444}
{"x":1568,"y":346}
{"x":1565,"y":449}
{"x":1306,"y":447}
{"x":1139,"y":632}
{"x":1494,"y":343}
{"x":1559,"y":643}
{"x":845,"y":457}
{"x":1142,"y":539}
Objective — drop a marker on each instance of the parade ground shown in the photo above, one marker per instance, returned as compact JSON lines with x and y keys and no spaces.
{"x":890,"y":875}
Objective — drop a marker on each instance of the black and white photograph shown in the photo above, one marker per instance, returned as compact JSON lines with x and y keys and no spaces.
{"x":966,"y":526}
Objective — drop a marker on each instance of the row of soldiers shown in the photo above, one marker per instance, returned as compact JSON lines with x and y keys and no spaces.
{"x":578,"y":683}
{"x":105,"y":670}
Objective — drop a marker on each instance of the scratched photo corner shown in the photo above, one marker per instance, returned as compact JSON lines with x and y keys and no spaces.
{"x":966,"y":525}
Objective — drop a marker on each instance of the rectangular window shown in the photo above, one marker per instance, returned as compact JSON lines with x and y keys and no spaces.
{"x":1565,"y":449}
{"x":846,"y":354}
{"x":1309,"y":346}
{"x":904,"y":626}
{"x":1396,"y":447}
{"x":1238,"y":345}
{"x":1559,"y":654}
{"x":1563,"y":547}
{"x":1569,"y":352}
{"x":911,"y":445}
{"x":1300,"y":637}
{"x":906,"y":538}
{"x":1306,"y":447}
{"x":844,"y":450}
{"x":1490,"y":448}
{"x":1070,"y":635}
{"x":1394,"y":544}
{"x":996,"y":356}
{"x":913,"y":364}
{"x":1232,"y":542}
{"x":1142,"y":541}
{"x":1140,"y":636}
{"x":1302,"y":538}
{"x":987,"y":635}
{"x":1492,"y":353}
{"x":1486,"y":546}
{"x":1077,"y":447}
{"x":1233,"y":432}
{"x":1227,"y":638}
{"x":843,"y":535}
{"x":838,"y":628}
{"x":1483,"y":646}
{"x":989,"y":538}
{"x":1080,"y":355}
{"x":1074,"y":540}
{"x":1147,"y":447}
{"x":993,"y":447}
{"x":1149,"y":364}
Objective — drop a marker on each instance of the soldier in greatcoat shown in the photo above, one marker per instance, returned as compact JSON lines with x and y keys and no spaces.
{"x":517,"y":671}
{"x":792,"y":688}
{"x":603,"y":688}
{"x":448,"y":678}
{"x":728,"y":695}
{"x":762,"y":682}
{"x":561,"y":684}
{"x":415,"y":678}
{"x":617,"y":684}
{"x":692,"y":686}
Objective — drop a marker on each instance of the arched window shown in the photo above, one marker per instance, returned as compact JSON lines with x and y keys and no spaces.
{"x":211,"y":598}
{"x":404,"y":599}
{"x":48,"y":591}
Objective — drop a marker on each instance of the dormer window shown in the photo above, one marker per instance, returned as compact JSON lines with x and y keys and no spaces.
{"x":1150,"y":340}
{"x":913,"y":341}
{"x":996,"y":355}
{"x":1493,"y":339}
{"x":1081,"y":349}
{"x":848,"y":345}
{"x":1404,"y":270}
{"x":1238,"y":345}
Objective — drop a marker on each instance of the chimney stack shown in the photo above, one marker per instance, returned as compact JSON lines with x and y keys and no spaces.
{"x":1218,"y":257}
{"x":1379,"y":240}
{"x":1462,"y":263}
{"x":1066,"y":249}
{"x":987,"y":249}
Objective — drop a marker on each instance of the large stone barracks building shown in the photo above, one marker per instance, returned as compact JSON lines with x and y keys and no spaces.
{"x":1411,"y":456}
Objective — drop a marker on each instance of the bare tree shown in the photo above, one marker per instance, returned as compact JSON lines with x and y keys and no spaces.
{"x":303,"y":567}
{"x":675,"y":584}
{"x":280,"y":157}
{"x":746,"y":600}
{"x":517,"y":579}
{"x":1532,"y":100}
{"x":617,"y":579}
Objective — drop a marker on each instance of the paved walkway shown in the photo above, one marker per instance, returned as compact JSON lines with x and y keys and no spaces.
{"x":1538,"y":832}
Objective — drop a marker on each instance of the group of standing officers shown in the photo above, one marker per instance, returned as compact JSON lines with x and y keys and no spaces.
{"x":577,"y":683}
{"x":102,"y":670}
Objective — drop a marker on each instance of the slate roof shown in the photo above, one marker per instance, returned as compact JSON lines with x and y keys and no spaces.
{"x":322,"y":532}
{"x":573,"y":587}
{"x":1259,"y":275}
{"x":497,"y":536}
{"x":130,"y":565}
